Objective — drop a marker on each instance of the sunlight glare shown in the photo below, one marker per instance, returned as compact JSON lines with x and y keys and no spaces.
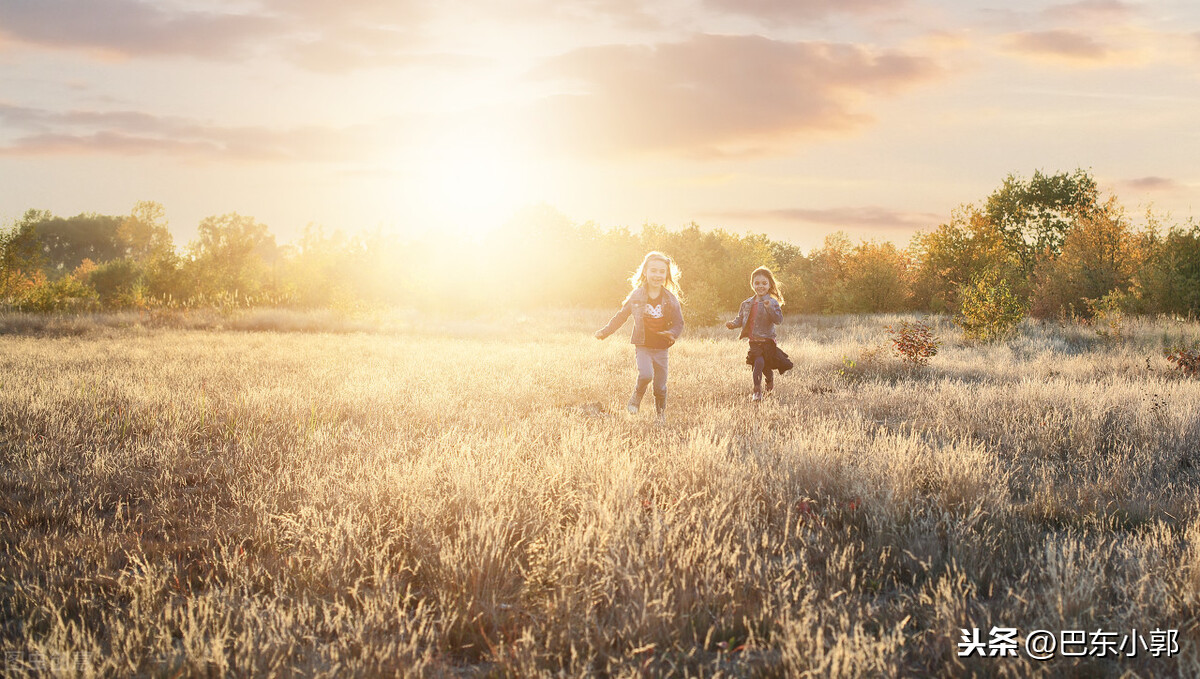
{"x":471,"y":181}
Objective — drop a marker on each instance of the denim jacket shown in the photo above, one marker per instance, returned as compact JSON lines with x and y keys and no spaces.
{"x":633,"y":306}
{"x":764,"y":322}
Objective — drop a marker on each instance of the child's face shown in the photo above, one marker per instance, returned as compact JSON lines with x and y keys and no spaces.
{"x":761,"y":285}
{"x":656,"y":272}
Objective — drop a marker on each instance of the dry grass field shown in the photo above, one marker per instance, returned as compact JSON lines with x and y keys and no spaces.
{"x":298,"y":495}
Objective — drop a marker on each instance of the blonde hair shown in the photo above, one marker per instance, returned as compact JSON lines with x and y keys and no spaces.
{"x":774,"y":289}
{"x":638,"y":279}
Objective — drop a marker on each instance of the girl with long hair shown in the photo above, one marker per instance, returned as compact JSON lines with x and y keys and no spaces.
{"x":757,"y":317}
{"x":657,"y":323}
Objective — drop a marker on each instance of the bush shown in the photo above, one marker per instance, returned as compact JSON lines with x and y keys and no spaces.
{"x":1108,"y":315}
{"x":1186,"y":360}
{"x":118,"y":283}
{"x":65,"y":294}
{"x":990,"y":311}
{"x":914,"y":342}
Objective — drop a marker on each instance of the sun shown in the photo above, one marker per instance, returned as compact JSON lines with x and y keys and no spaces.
{"x":470,"y":181}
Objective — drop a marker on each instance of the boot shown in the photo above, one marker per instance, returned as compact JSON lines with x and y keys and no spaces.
{"x":635,"y":400}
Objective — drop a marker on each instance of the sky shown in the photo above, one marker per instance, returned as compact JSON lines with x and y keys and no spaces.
{"x":794,"y":118}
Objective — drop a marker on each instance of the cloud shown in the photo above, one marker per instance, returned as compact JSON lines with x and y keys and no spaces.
{"x":386,"y":13}
{"x":131,"y":28}
{"x":860,"y":217}
{"x":1091,"y":11}
{"x":369,"y":50}
{"x":34,"y":132}
{"x":113,"y":143}
{"x":715,"y":96}
{"x":24,"y":118}
{"x":352,"y":34}
{"x":1152,"y":183}
{"x":774,"y":11}
{"x":630,"y":14}
{"x":1058,"y":45}
{"x":322,"y":35}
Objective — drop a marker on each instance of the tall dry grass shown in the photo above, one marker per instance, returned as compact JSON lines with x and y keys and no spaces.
{"x":470,"y":499}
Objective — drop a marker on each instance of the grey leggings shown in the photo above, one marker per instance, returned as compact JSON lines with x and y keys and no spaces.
{"x":652,"y":366}
{"x":759,"y":371}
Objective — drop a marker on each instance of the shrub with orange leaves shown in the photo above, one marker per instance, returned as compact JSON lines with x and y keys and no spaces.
{"x":1185,"y":359}
{"x":914,"y":341}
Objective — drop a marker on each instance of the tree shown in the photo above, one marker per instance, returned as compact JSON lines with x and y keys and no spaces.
{"x":1033,"y":216}
{"x":117,"y":283}
{"x":874,"y":280}
{"x":824,"y":270}
{"x":602,"y":262}
{"x":1169,"y":279}
{"x":19,"y":248}
{"x":716,"y":265}
{"x":20,"y":257}
{"x":143,"y":235}
{"x":786,"y":255}
{"x":990,"y":311}
{"x":232,"y":255}
{"x":66,"y":242}
{"x":330,"y":270}
{"x":1099,"y":255}
{"x":947,"y":258}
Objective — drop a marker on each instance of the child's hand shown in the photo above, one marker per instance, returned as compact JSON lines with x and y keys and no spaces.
{"x":666,"y":334}
{"x":599,"y":334}
{"x":730,"y":324}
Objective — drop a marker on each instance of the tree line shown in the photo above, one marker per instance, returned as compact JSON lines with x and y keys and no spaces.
{"x":1050,"y":242}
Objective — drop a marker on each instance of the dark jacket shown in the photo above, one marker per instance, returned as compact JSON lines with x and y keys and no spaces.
{"x":672,"y":312}
{"x":764,"y":323}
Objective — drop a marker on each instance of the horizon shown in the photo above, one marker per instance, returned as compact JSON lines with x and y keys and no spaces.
{"x":876,"y":118}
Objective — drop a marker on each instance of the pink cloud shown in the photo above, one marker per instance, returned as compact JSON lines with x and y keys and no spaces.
{"x":858,"y":217}
{"x":775,"y":11}
{"x":24,"y":118}
{"x":716,"y":95}
{"x":1058,"y":45}
{"x":40,"y":132}
{"x":1091,"y":11}
{"x":374,"y":12}
{"x":330,"y":36}
{"x":633,"y":14}
{"x":1152,"y":183}
{"x":131,"y":28}
{"x":114,"y":143}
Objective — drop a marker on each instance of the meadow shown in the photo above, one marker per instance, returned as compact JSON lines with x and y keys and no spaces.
{"x":307,"y":495}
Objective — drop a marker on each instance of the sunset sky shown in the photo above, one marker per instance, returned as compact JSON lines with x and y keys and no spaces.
{"x":793,"y":118}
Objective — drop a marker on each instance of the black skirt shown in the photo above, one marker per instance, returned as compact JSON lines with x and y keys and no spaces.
{"x":773,"y":357}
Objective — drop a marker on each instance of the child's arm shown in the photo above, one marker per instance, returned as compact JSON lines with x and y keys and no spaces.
{"x":737,"y":322}
{"x":616,"y":321}
{"x":676,"y":328}
{"x":775,"y":310}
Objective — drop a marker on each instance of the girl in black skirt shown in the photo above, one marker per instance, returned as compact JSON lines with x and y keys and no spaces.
{"x":757,"y":317}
